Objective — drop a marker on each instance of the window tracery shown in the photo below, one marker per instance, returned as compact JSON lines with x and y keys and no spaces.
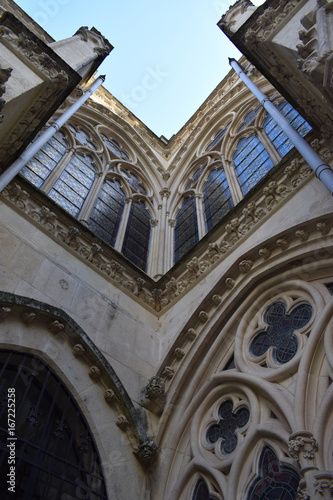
{"x":279,"y":334}
{"x":224,"y":431}
{"x":275,"y":480}
{"x":217,"y":197}
{"x":115,"y":147}
{"x":201,"y":491}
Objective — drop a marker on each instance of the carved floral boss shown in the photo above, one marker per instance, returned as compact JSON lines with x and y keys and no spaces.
{"x":279,"y":334}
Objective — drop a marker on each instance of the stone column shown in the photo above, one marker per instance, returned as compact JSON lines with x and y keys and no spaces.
{"x":123,"y":225}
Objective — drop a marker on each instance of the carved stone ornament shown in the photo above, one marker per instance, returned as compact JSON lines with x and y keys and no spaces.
{"x":179,"y":353}
{"x":229,"y":283}
{"x":203,"y":316}
{"x":4,"y":311}
{"x":28,"y":317}
{"x":110,"y":396}
{"x":245,"y":266}
{"x":78,"y":350}
{"x":324,"y":484}
{"x":56,"y":327}
{"x":147,"y":453}
{"x":168,"y":372}
{"x":191,"y":334}
{"x":155,"y":388}
{"x":303,"y":447}
{"x":94,"y":372}
{"x":122,"y":422}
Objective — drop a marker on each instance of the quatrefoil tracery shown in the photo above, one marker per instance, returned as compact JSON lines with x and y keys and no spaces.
{"x":280,"y":332}
{"x":226,"y":428}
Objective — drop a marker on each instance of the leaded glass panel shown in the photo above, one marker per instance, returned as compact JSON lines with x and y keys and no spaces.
{"x":135,"y":183}
{"x":225,"y":429}
{"x":279,"y":334}
{"x":137,"y":236}
{"x":73,"y":185}
{"x":275,"y":133}
{"x":56,"y":456}
{"x":186,"y":228}
{"x":275,"y":481}
{"x":217,"y":197}
{"x":217,"y":138}
{"x":106,"y":215}
{"x":252,"y":162}
{"x":115,"y":147}
{"x":46,"y":159}
{"x":201,"y":491}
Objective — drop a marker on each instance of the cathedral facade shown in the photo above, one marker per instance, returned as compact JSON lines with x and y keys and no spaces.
{"x":166,"y":305}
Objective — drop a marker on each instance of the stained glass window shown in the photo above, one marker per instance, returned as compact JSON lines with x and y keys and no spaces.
{"x":252,"y":162}
{"x":275,"y":479}
{"x":227,"y":425}
{"x":201,"y":491}
{"x":249,"y":118}
{"x":279,"y":334}
{"x":195,"y":177}
{"x":115,"y":147}
{"x":186,"y":229}
{"x":55,"y":453}
{"x":82,"y":136}
{"x":135,"y":183}
{"x":217,"y":198}
{"x":106,"y":215}
{"x":137,"y":236}
{"x":41,"y":165}
{"x":217,"y":138}
{"x":73,"y":185}
{"x":275,"y":133}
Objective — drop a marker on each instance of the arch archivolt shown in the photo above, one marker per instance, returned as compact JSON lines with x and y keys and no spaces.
{"x":27,"y":325}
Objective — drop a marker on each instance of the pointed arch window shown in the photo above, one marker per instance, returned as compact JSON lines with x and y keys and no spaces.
{"x":45,"y":161}
{"x":201,"y":491}
{"x":217,"y":138}
{"x":217,"y":197}
{"x":115,"y":147}
{"x":252,"y":162}
{"x":275,"y":134}
{"x":275,"y":479}
{"x":73,"y":185}
{"x":186,"y":228}
{"x":106,"y":215}
{"x":137,"y":236}
{"x":56,"y":456}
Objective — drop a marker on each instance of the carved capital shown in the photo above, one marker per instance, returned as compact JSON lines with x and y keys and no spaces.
{"x":303,"y":447}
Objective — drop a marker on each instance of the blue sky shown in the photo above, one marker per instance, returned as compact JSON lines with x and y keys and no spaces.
{"x":167,"y":58}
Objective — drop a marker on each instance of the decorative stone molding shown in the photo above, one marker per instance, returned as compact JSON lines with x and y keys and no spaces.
{"x":324,"y":484}
{"x":229,"y":283}
{"x":4,"y":77}
{"x":281,"y":242}
{"x":217,"y":299}
{"x":303,"y":235}
{"x":191,"y":334}
{"x":168,"y":372}
{"x":102,"y":45}
{"x":72,"y":337}
{"x":265,"y":253}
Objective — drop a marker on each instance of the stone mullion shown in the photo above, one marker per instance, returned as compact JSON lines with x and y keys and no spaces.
{"x":170,"y":238}
{"x":154,"y":250}
{"x":200,"y":216}
{"x":274,"y":155}
{"x":58,"y":170}
{"x":90,"y":200}
{"x":235,"y":190}
{"x":123,"y":225}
